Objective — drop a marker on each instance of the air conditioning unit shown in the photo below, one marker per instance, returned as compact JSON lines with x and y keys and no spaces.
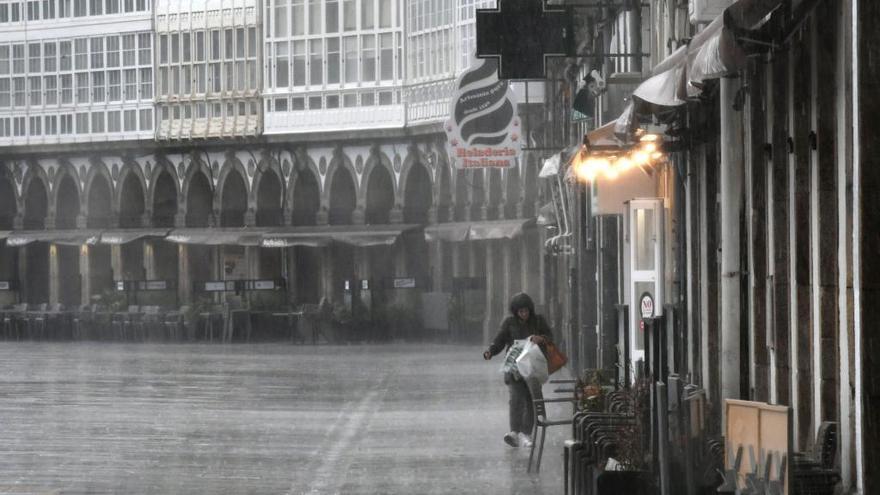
{"x":702,"y":11}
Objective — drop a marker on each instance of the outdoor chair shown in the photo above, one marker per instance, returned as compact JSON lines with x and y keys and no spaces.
{"x":173,"y":322}
{"x":815,"y":472}
{"x":82,"y":321}
{"x":123,"y":322}
{"x":12,"y":321}
{"x":150,"y":325}
{"x":37,"y":322}
{"x":542,"y":422}
{"x":54,"y":322}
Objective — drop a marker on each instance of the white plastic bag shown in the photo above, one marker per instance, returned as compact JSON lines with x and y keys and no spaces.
{"x":509,"y":363}
{"x":532,"y":364}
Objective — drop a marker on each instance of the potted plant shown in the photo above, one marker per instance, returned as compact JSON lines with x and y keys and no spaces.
{"x":629,"y":471}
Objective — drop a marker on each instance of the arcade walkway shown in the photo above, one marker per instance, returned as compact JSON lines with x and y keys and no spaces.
{"x":263,"y":419}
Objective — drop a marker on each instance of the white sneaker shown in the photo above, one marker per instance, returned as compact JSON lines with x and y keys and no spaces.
{"x":524,"y":440}
{"x":512,"y":439}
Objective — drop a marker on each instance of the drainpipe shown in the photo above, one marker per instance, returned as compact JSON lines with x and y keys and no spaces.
{"x":731,"y":185}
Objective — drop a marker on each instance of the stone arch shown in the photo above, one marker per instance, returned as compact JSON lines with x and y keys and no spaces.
{"x":267,"y":195}
{"x":512,"y":190}
{"x":67,"y":197}
{"x":197,"y":195}
{"x":339,"y":162}
{"x":97,"y":200}
{"x":231,"y":196}
{"x":8,"y":200}
{"x":378,"y":196}
{"x":415,"y":158}
{"x":35,"y":203}
{"x":305,"y":196}
{"x":341,"y":196}
{"x":377,"y":160}
{"x":163,"y":195}
{"x":418,"y":194}
{"x":131,"y":195}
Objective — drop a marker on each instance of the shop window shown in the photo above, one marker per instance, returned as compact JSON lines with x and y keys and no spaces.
{"x":129,"y":120}
{"x":368,"y":16}
{"x":66,"y":124}
{"x":82,"y":123}
{"x":368,"y":52}
{"x":50,"y":86}
{"x":114,"y":121}
{"x":316,"y":62}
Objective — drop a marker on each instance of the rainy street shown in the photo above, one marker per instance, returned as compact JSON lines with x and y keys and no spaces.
{"x":260,"y":418}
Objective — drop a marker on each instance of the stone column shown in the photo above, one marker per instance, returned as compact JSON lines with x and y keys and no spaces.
{"x":116,"y":261}
{"x":150,"y":261}
{"x":54,"y":280}
{"x":85,"y":274}
{"x":438,"y":270}
{"x":184,"y":279}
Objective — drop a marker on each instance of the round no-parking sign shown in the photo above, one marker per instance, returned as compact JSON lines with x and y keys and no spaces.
{"x":646,"y":305}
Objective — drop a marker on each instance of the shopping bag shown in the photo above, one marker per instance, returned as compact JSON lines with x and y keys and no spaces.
{"x":532,"y":364}
{"x":555,"y":358}
{"x":509,"y":363}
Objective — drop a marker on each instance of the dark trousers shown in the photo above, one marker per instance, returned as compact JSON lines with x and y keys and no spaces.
{"x":522,"y":417}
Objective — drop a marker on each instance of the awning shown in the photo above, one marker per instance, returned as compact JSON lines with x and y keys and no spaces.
{"x":353,"y":235}
{"x":547,"y":215}
{"x":217,"y":236}
{"x":497,"y":229}
{"x":604,"y":138}
{"x":666,"y":89}
{"x":550,"y":168}
{"x":63,"y":237}
{"x":458,"y":231}
{"x":128,"y":235}
{"x":476,"y":231}
{"x":551,"y":165}
{"x":713,"y":53}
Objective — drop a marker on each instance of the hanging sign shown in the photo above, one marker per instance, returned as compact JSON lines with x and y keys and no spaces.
{"x":646,"y":305}
{"x":483,"y":130}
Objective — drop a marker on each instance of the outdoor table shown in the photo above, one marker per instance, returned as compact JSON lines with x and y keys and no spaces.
{"x":292,"y":322}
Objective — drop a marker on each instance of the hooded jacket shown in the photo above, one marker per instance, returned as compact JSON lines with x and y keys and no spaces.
{"x":512,"y":328}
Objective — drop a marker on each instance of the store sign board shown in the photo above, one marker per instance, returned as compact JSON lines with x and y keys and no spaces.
{"x":523,"y":35}
{"x":404,"y":283}
{"x":483,"y":130}
{"x":646,"y":305}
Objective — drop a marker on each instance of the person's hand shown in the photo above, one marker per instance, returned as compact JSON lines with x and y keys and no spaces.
{"x":537,"y":339}
{"x":487,"y":355}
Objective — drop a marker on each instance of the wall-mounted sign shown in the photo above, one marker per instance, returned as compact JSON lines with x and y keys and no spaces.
{"x":365,"y":284}
{"x":264,"y":285}
{"x":646,"y":305}
{"x":5,"y":285}
{"x":483,"y":130}
{"x":404,"y":283}
{"x":155,"y":285}
{"x":218,"y":286}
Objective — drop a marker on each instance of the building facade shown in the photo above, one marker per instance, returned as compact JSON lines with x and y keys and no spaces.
{"x":239,"y":140}
{"x":748,"y":236}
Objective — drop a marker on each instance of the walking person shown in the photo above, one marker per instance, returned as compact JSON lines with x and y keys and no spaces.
{"x":523,"y":323}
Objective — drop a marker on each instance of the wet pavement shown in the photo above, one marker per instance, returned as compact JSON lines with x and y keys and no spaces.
{"x":262,"y":418}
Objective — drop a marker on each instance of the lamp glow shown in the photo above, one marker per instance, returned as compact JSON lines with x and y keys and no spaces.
{"x":649,"y":146}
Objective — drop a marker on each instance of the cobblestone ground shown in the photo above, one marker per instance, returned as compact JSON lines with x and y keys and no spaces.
{"x":262,"y":418}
